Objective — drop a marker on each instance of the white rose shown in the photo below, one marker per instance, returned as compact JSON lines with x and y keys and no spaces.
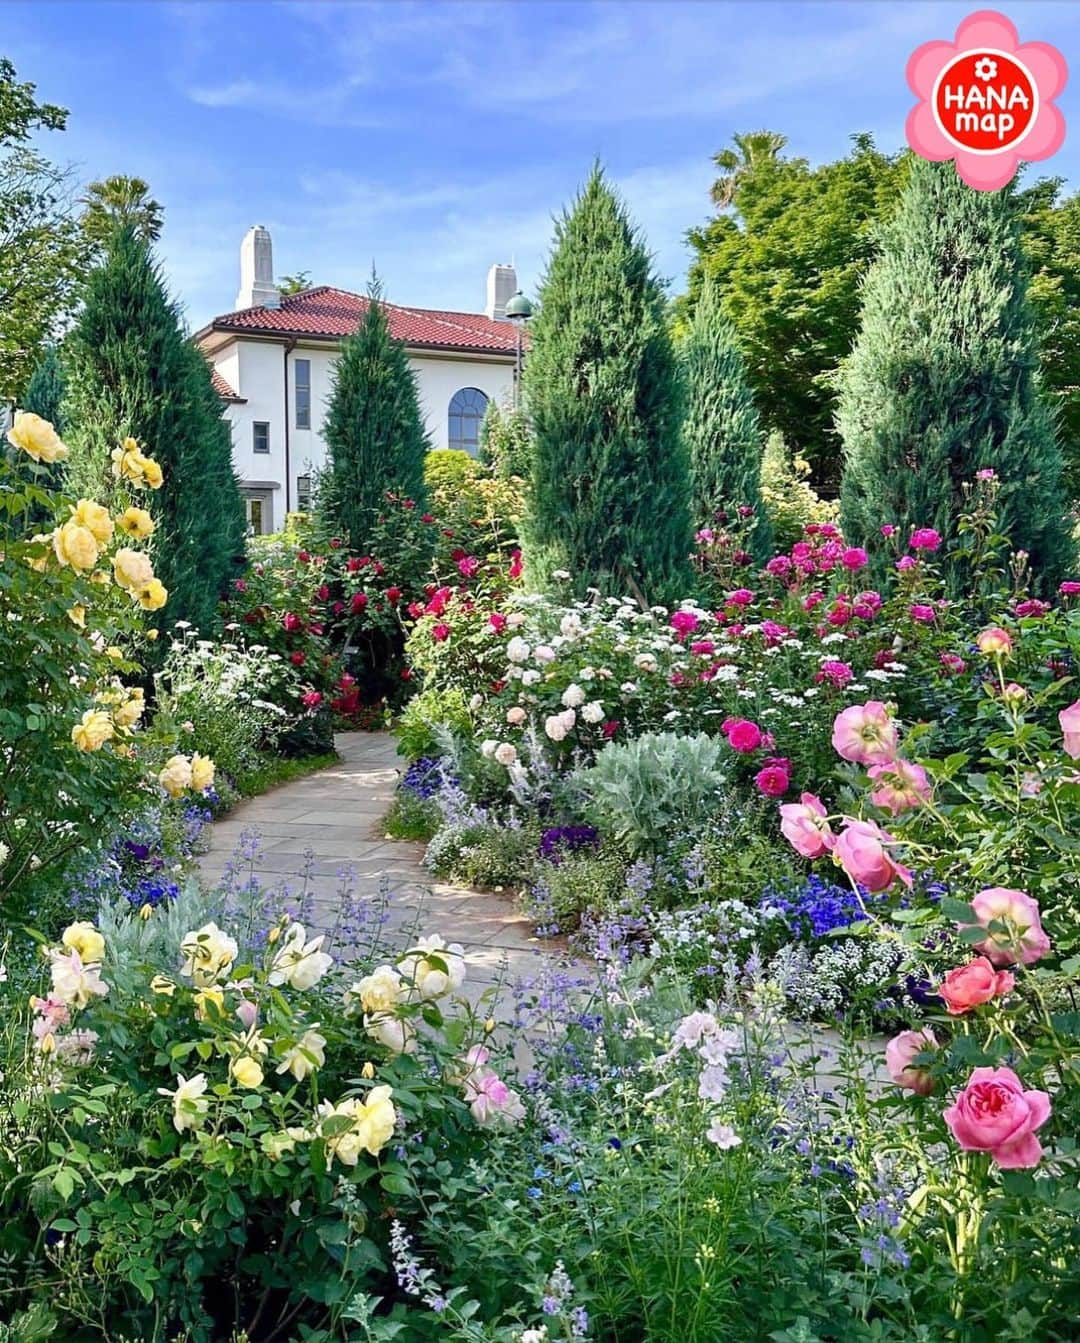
{"x":208,"y":955}
{"x":517,"y":650}
{"x":555,"y":727}
{"x":397,"y":1035}
{"x":434,"y":967}
{"x":645,"y":662}
{"x":570,"y":625}
{"x":381,"y":991}
{"x":73,"y":983}
{"x":573,"y":696}
{"x":305,"y":1056}
{"x":488,"y":747}
{"x":516,"y":619}
{"x":190,"y":1106}
{"x":530,"y":677}
{"x":299,"y":963}
{"x":476,"y":702}
{"x":505,"y":753}
{"x":569,"y":718}
{"x":593,"y":712}
{"x":542,"y":653}
{"x":515,"y":717}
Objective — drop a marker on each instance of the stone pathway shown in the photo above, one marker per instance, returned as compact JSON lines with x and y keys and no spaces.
{"x":337,"y":813}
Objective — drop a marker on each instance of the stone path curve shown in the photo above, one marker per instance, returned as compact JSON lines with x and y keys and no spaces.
{"x":337,"y":813}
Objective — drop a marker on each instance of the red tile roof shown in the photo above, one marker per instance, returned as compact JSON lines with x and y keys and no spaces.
{"x":329,"y":314}
{"x":222,"y":387}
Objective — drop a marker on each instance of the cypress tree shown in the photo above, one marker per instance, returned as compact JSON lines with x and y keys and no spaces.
{"x":374,"y":428}
{"x":609,"y":497}
{"x":943,"y":379}
{"x":131,"y":372}
{"x":45,"y":389}
{"x":722,"y":432}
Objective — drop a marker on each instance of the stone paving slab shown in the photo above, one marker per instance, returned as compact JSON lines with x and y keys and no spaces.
{"x":336,"y":815}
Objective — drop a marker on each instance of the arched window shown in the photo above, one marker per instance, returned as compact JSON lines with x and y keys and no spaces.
{"x":466,"y":411}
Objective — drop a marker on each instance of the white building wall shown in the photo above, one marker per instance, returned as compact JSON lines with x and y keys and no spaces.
{"x":255,"y":371}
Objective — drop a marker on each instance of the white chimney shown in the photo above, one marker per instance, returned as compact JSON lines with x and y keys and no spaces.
{"x":257,"y":288}
{"x":501,"y":287}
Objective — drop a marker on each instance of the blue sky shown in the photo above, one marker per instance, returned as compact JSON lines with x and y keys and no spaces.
{"x":433,"y":138}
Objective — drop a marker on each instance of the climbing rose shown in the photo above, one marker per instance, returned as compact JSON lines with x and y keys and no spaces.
{"x":865,"y":733}
{"x":804,"y":825}
{"x":995,"y":1114}
{"x":971,"y":985}
{"x":1025,"y":941}
{"x":1070,"y":730}
{"x":899,"y":786}
{"x":900,"y":1052}
{"x":862,"y":853}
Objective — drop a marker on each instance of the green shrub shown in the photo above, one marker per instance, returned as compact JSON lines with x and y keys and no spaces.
{"x":428,"y":717}
{"x":411,"y":817}
{"x":449,"y":469}
{"x":790,"y":501}
{"x":644,"y":791}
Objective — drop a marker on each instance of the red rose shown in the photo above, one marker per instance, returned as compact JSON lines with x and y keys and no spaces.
{"x":297,"y":659}
{"x":393,"y":595}
{"x":359,"y":601}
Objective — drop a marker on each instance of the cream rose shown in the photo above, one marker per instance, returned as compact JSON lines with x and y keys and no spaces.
{"x":202,"y":772}
{"x":175,"y":778}
{"x":95,"y":519}
{"x":208,"y":955}
{"x":75,"y":545}
{"x":36,"y":437}
{"x":93,"y":731}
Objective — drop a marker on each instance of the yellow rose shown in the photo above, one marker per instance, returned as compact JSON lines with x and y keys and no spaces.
{"x":371,"y":1126}
{"x":75,"y":545}
{"x":93,"y":732}
{"x":77,"y":616}
{"x":86,"y":940}
{"x":208,"y":954}
{"x":100,"y":577}
{"x":152,"y":473}
{"x":40,"y":564}
{"x":132,"y":570}
{"x":36,"y":437}
{"x":175,"y":778}
{"x":381,"y":991}
{"x":205,"y":996}
{"x":152,"y":635}
{"x":202,"y":772}
{"x":117,"y":654}
{"x":247,"y":1073}
{"x":95,"y":519}
{"x":154,"y":596}
{"x":128,"y":461}
{"x":136,"y":522}
{"x":129,"y":713}
{"x":160,"y":985}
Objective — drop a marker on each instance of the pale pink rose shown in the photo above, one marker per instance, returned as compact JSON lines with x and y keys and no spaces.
{"x":861,"y":852}
{"x":899,"y":1055}
{"x":247,"y":1011}
{"x":1025,"y":941}
{"x":900,"y":786}
{"x":995,"y":1114}
{"x":1070,"y":728}
{"x":865,"y":733}
{"x":994,"y":641}
{"x":805,"y":826}
{"x":973,"y":984}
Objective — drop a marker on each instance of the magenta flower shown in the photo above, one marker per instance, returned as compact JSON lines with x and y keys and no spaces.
{"x":925,"y":615}
{"x":743,"y":736}
{"x":925,"y":538}
{"x":995,"y":1114}
{"x":774,"y":777}
{"x":1069,"y":719}
{"x":684,"y":622}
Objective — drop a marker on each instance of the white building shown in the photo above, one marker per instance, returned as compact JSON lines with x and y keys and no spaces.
{"x":273,"y":360}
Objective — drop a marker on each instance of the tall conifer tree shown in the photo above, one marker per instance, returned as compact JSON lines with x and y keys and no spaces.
{"x":610,"y":488}
{"x":722,"y":431}
{"x":374,"y":427}
{"x":943,"y":379}
{"x":131,"y":372}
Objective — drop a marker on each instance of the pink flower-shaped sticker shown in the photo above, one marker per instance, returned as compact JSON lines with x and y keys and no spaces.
{"x":986,"y":100}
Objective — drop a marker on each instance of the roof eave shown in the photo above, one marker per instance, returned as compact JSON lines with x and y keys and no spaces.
{"x":321,"y":337}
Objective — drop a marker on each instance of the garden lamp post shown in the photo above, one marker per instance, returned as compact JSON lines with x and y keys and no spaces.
{"x":518,"y":311}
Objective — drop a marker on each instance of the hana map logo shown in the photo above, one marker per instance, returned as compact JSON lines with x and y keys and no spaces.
{"x":986,"y":100}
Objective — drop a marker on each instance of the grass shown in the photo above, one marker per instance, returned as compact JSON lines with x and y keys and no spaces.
{"x":274,"y":771}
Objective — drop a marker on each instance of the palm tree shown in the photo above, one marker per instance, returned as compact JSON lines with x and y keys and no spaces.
{"x":117,"y":202}
{"x":751,"y":150}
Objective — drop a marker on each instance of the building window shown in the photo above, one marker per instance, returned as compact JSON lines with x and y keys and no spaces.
{"x":260,"y":436}
{"x":303,"y":493}
{"x":303,"y":393}
{"x":466,"y":412}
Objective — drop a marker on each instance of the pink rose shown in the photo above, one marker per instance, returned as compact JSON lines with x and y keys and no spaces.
{"x":995,"y":1114}
{"x":906,"y":562}
{"x":1070,"y":730}
{"x":1070,"y":588}
{"x":740,"y":597}
{"x":925,"y":538}
{"x":953,"y":664}
{"x":900,"y":1054}
{"x":862,"y":853}
{"x":774,"y":778}
{"x":854,"y":557}
{"x":924,"y":614}
{"x":805,"y":826}
{"x":973,"y":984}
{"x":994,"y":641}
{"x":900,"y":786}
{"x":743,"y":736}
{"x":1025,"y":940}
{"x":865,"y":734}
{"x":440,"y":632}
